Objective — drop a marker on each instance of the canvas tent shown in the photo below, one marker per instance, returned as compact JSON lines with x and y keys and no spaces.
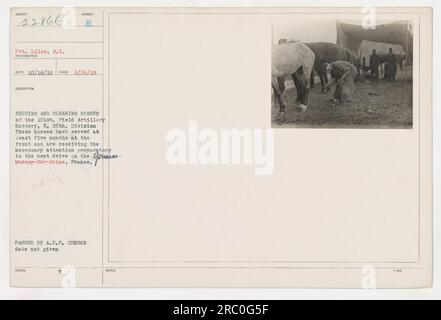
{"x":351,"y":36}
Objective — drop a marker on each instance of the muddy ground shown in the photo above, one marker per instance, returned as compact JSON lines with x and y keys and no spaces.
{"x":377,"y":104}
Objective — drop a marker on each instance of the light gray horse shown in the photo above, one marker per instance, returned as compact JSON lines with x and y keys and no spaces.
{"x":295,"y":60}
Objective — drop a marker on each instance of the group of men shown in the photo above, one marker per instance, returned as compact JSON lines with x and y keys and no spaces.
{"x":390,"y":69}
{"x":344,"y":73}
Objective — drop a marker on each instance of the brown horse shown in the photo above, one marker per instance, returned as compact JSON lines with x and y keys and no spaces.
{"x":327,"y":52}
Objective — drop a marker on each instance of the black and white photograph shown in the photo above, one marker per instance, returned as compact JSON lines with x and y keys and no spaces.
{"x":342,"y":74}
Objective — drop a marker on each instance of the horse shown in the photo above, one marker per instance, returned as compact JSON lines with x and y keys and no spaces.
{"x":327,"y":52}
{"x":295,"y":60}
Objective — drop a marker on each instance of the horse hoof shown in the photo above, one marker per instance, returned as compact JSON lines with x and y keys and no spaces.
{"x":303,"y":107}
{"x":280,"y":119}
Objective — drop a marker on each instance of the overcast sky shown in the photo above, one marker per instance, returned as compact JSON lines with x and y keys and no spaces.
{"x":311,"y":30}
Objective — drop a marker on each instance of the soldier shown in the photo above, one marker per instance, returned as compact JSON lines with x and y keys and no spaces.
{"x":391,"y":66}
{"x":374,"y":63}
{"x":344,"y":74}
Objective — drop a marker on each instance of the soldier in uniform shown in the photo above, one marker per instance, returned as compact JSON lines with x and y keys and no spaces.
{"x":374,"y":63}
{"x":391,"y":66}
{"x":344,"y":74}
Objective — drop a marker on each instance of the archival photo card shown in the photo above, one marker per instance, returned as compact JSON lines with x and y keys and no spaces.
{"x":221,"y":147}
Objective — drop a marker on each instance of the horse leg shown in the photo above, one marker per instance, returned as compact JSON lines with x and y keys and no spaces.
{"x":322,"y":82}
{"x":358,"y":72}
{"x":306,"y":98}
{"x":281,"y":83}
{"x":326,"y":81}
{"x":281,"y":86}
{"x":298,"y":86}
{"x":304,"y":84}
{"x":312,"y":83}
{"x":278,"y":95}
{"x":307,"y":73}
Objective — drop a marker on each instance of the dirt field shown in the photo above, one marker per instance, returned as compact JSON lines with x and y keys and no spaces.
{"x":379,"y":104}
